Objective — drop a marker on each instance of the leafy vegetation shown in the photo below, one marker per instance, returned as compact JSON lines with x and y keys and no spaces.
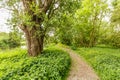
{"x":76,"y":23}
{"x":52,"y":64}
{"x":10,"y":40}
{"x":3,"y":35}
{"x":105,"y":61}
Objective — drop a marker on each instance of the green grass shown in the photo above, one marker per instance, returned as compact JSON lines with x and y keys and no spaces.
{"x":105,"y":61}
{"x":52,"y":64}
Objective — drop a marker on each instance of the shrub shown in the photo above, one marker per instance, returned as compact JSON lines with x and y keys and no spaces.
{"x":4,"y":44}
{"x":9,"y":43}
{"x":112,"y":39}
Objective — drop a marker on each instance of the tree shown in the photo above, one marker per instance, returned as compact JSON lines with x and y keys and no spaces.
{"x":36,"y":18}
{"x":88,"y":21}
{"x":33,"y":18}
{"x":65,"y":22}
{"x":116,"y":9}
{"x":115,"y":21}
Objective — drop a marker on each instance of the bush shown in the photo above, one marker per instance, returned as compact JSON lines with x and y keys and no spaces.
{"x":4,"y":44}
{"x":115,"y":41}
{"x":112,"y":39}
{"x":50,"y":65}
{"x":12,"y":41}
{"x":9,"y":43}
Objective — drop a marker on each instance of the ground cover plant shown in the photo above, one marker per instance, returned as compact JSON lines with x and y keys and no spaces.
{"x":105,"y":61}
{"x":52,"y":64}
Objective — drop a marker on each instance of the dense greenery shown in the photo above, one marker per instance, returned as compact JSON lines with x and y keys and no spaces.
{"x":52,"y":64}
{"x":73,"y":22}
{"x":91,"y":23}
{"x":10,"y":40}
{"x":76,"y":23}
{"x":104,"y":60}
{"x":36,"y":18}
{"x":3,"y":35}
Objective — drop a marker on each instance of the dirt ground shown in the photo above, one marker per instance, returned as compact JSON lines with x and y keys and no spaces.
{"x":80,"y":70}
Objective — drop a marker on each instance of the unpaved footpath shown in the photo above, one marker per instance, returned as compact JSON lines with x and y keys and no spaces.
{"x":80,"y":70}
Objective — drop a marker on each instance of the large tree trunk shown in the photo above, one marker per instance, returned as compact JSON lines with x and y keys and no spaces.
{"x":36,"y":9}
{"x":34,"y":42}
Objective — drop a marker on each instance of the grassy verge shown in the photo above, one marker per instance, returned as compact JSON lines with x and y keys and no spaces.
{"x":105,"y":61}
{"x":52,"y":64}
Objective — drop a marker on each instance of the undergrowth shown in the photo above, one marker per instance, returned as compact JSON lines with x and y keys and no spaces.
{"x":52,"y":64}
{"x":105,"y":61}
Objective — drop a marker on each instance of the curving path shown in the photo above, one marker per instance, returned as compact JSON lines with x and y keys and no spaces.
{"x":80,"y":70}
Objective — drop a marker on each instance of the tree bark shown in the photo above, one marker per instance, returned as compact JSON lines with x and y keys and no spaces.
{"x":34,"y":43}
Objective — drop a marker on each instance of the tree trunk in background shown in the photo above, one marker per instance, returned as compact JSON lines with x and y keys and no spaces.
{"x":94,"y":31}
{"x":92,"y":37}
